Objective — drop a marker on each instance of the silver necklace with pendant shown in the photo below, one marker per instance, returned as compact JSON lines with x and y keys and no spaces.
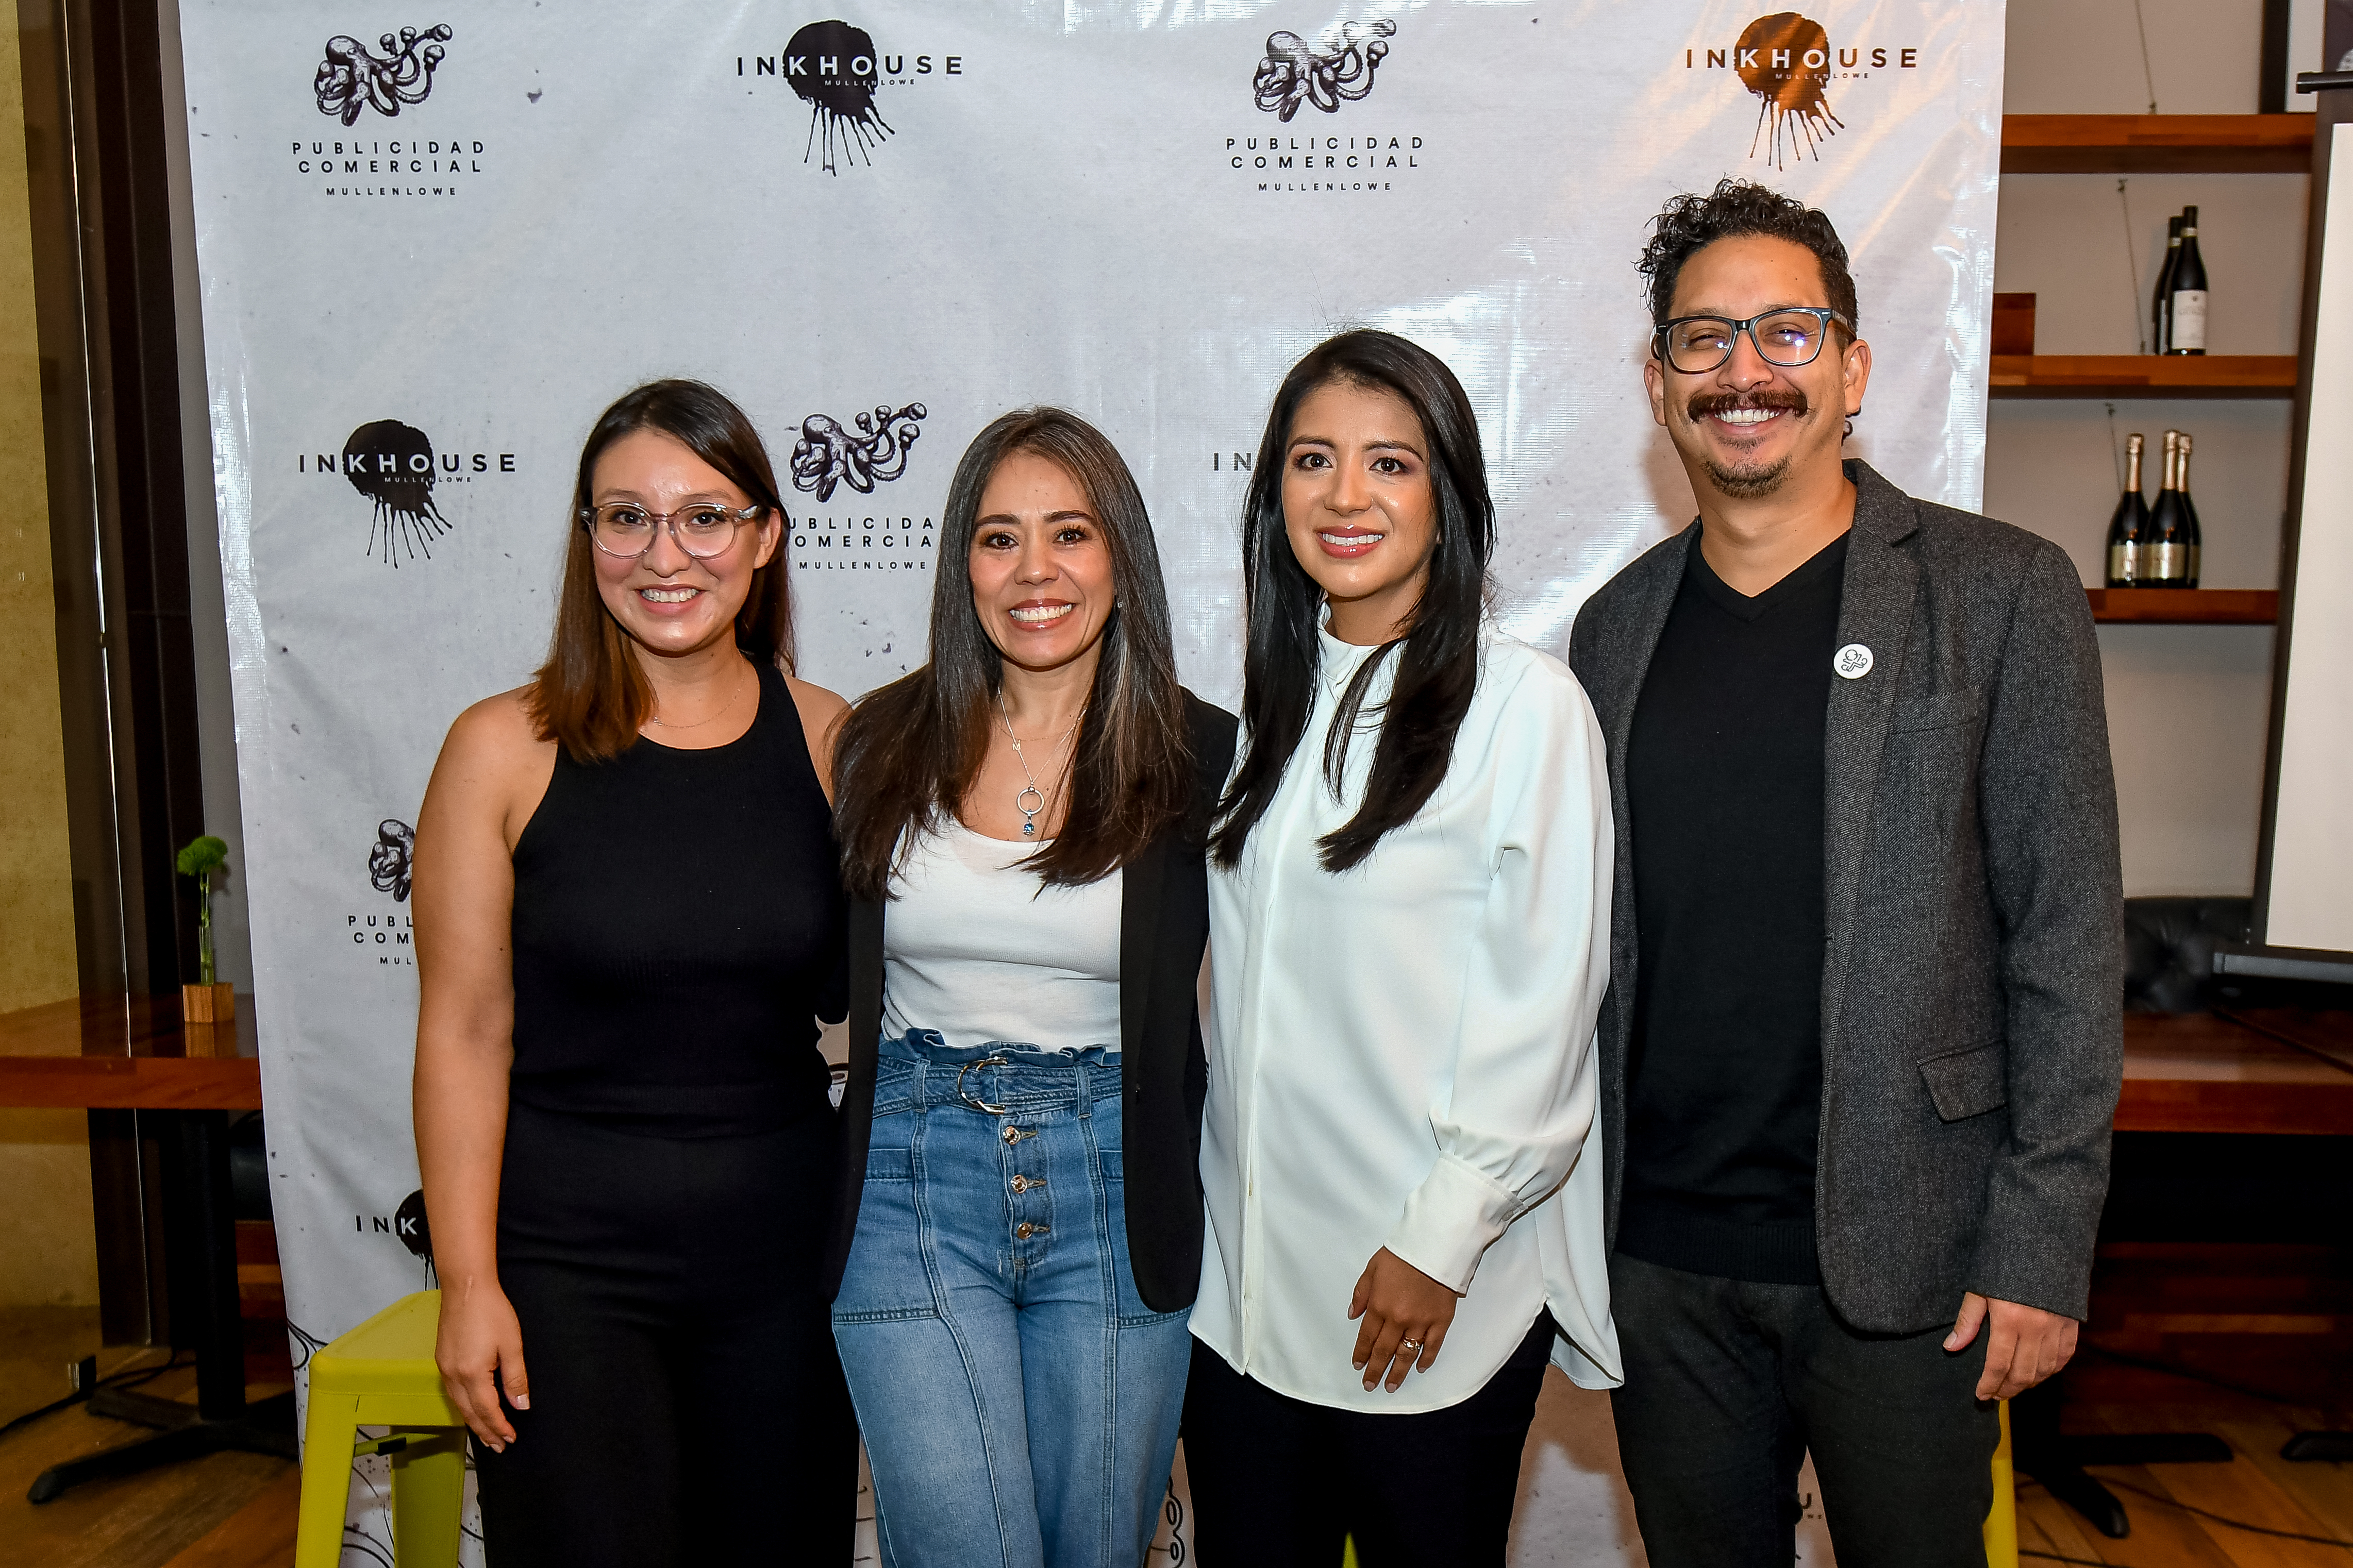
{"x":1029,"y":791}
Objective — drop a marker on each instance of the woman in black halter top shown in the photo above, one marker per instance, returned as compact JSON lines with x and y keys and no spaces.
{"x":629,"y":919}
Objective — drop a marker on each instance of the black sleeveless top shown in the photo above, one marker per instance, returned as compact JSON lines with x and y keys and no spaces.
{"x":678,"y":928}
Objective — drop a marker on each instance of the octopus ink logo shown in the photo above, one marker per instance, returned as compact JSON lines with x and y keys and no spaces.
{"x":351,"y":78}
{"x":829,"y":456}
{"x":1786,"y":61}
{"x":1341,"y":71}
{"x":390,"y":858}
{"x":392,"y":465}
{"x":384,"y":930}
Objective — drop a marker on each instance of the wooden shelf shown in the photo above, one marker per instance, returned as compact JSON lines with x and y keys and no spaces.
{"x":2186,"y":606}
{"x":2155,"y":143}
{"x":2143,"y":375}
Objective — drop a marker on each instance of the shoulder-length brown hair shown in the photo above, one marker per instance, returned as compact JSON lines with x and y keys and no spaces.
{"x":909,"y":753}
{"x":590,"y":696}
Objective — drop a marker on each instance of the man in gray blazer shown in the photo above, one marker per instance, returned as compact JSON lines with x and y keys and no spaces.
{"x":1863,"y":1043}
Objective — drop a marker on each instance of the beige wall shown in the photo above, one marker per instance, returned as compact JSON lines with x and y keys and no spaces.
{"x":46,"y":1252}
{"x":36,"y":941}
{"x":2188,"y":707}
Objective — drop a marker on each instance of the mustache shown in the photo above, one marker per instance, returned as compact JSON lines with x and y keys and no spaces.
{"x":1703,"y":404}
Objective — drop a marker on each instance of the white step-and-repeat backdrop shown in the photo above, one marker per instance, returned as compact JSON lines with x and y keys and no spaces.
{"x":434,"y":243}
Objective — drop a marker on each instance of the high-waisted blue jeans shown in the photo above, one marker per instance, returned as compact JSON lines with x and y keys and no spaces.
{"x":1018,"y":1400}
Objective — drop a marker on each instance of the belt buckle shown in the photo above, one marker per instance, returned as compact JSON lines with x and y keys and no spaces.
{"x":991,"y":1060}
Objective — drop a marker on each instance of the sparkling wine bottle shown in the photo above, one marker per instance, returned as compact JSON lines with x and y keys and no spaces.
{"x":2185,"y":322}
{"x":2191,"y":534}
{"x":2164,"y":557}
{"x":2161,"y":296}
{"x":2128,"y":529}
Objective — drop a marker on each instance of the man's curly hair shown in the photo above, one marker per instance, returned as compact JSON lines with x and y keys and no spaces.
{"x":1736,"y":208}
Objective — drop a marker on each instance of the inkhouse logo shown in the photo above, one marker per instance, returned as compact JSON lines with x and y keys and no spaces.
{"x":1787,"y":62}
{"x":351,"y":78}
{"x":393,"y":465}
{"x":1295,"y":73}
{"x":838,"y":71}
{"x":829,"y":456}
{"x":840,"y":91}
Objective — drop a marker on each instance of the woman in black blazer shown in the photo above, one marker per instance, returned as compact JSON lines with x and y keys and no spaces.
{"x":1022,"y":821}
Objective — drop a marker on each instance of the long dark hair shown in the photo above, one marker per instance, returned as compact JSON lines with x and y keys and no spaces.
{"x":590,"y":696}
{"x":1437,"y":659}
{"x":908,"y":752}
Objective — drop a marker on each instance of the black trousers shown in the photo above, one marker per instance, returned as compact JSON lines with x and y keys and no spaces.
{"x":1729,"y":1383}
{"x":1280,"y":1483}
{"x":686,"y":1403}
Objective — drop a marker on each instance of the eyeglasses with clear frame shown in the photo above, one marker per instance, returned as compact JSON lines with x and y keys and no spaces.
{"x":1786,"y":337}
{"x":704,"y":528}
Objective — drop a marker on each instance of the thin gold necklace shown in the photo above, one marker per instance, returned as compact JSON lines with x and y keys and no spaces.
{"x":660,"y":722}
{"x":1031,"y":790}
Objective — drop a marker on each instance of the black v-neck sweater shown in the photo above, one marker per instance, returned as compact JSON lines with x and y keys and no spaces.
{"x":1724,"y":779}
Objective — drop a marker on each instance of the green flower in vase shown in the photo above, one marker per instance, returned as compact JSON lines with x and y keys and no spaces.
{"x":202,"y":859}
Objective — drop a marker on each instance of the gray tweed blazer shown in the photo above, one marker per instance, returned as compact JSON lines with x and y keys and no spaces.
{"x":1973,"y":975}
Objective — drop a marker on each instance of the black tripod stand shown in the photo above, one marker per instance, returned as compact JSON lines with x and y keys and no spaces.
{"x":200,"y":1241}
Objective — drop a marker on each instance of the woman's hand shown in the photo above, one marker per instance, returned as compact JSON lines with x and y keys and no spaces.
{"x":479,"y":1336}
{"x":1406,"y":1315}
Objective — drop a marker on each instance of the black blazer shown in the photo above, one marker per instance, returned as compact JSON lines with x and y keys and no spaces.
{"x":1164,"y":928}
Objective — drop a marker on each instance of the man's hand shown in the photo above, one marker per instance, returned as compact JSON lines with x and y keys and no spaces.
{"x":2025,"y":1345}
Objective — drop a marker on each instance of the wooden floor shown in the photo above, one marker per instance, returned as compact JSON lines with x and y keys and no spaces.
{"x":2257,"y":1487}
{"x":225,"y":1510}
{"x":238,"y":1511}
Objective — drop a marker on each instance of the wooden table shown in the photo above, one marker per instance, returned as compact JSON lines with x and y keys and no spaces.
{"x":125,"y":1053}
{"x":132,"y":1053}
{"x":2261,"y":1071}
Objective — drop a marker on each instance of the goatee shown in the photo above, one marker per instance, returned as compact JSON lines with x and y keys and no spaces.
{"x":1752,"y":482}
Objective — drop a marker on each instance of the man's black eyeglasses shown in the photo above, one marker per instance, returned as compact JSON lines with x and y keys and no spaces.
{"x":1788,"y":337}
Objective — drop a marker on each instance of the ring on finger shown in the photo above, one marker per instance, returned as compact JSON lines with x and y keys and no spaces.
{"x":1412,"y":1347}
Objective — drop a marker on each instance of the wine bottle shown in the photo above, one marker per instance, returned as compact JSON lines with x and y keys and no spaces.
{"x":2129,"y":527}
{"x":2185,"y":315}
{"x":2192,"y":536}
{"x":2165,"y":559}
{"x":2162,"y":295}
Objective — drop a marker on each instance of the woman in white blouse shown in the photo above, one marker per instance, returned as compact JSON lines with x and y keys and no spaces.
{"x":1409,"y":915}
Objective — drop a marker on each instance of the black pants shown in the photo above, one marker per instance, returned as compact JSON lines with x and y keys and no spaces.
{"x":686,"y":1404}
{"x":1280,"y":1483}
{"x":1729,"y":1383}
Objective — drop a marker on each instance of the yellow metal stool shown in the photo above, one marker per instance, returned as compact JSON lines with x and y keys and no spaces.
{"x":2001,"y":1519}
{"x":382,"y":1374}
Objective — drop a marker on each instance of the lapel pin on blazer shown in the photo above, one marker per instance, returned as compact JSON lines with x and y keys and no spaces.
{"x":1852,"y":661}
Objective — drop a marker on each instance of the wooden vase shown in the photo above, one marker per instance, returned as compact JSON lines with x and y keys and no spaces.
{"x":214,"y":1004}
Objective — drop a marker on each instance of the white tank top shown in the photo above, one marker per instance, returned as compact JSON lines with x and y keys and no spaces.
{"x":976,"y":947}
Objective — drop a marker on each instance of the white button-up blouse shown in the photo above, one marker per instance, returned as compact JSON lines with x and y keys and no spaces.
{"x":1401,"y":1054}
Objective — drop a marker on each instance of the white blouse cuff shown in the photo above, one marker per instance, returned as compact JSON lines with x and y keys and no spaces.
{"x":1450,"y":1221}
